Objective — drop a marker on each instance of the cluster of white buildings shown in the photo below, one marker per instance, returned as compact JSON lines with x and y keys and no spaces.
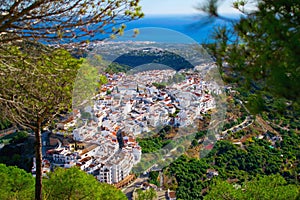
{"x":124,"y":108}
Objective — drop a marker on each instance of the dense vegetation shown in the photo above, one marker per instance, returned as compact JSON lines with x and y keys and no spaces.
{"x":261,"y":52}
{"x":262,"y":188}
{"x":152,"y":144}
{"x":154,"y":177}
{"x":149,"y":194}
{"x":155,"y":142}
{"x":75,"y":184}
{"x":62,"y":184}
{"x":14,"y":138}
{"x":257,"y":158}
{"x":4,"y":124}
{"x":116,"y":68}
{"x":18,"y":150}
{"x":15,"y":183}
{"x":34,"y":79}
{"x":139,"y":57}
{"x":260,"y":57}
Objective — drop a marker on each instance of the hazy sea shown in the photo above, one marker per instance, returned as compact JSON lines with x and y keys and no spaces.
{"x":199,"y":28}
{"x":193,"y":27}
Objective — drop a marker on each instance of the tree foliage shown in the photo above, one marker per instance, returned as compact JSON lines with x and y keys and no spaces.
{"x":149,"y":194}
{"x":54,"y":20}
{"x":75,"y":184}
{"x":257,"y":158}
{"x":36,"y":81}
{"x":4,"y":124}
{"x":35,"y":86}
{"x":188,"y":173}
{"x":62,"y":184}
{"x":263,"y":47}
{"x":88,"y":82}
{"x":261,"y":188}
{"x":152,"y":144}
{"x":16,"y":137}
{"x":15,"y":184}
{"x":154,"y":177}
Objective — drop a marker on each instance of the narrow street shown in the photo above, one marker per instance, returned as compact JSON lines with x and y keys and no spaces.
{"x":247,"y":122}
{"x":128,"y":190}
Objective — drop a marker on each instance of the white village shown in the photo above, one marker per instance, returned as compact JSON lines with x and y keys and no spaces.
{"x":127,"y":106}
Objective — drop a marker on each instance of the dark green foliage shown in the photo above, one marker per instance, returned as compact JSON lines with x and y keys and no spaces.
{"x":160,"y":85}
{"x":188,"y":173}
{"x":146,"y":195}
{"x":20,"y":137}
{"x":232,"y":162}
{"x":157,"y":141}
{"x":4,"y":124}
{"x":153,"y":178}
{"x":153,"y":144}
{"x":265,"y":55}
{"x":137,"y":58}
{"x":18,"y":153}
{"x":200,"y":134}
{"x":261,"y":188}
{"x":194,"y":143}
{"x":85,"y":115}
{"x":257,"y":158}
{"x":255,"y":103}
{"x":15,"y":184}
{"x":16,"y":137}
{"x":75,"y":184}
{"x":62,"y":184}
{"x":115,"y":68}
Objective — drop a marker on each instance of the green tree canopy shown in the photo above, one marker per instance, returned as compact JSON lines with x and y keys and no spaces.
{"x":35,"y":86}
{"x":149,"y":194}
{"x":15,"y":184}
{"x":36,"y":82}
{"x":75,"y":184}
{"x":262,"y":51}
{"x":262,"y":188}
{"x":62,"y":184}
{"x":88,"y":82}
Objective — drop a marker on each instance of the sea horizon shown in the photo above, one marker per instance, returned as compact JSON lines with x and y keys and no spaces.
{"x":198,"y":28}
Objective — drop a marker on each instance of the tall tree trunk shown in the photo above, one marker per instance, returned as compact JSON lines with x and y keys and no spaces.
{"x":38,"y":156}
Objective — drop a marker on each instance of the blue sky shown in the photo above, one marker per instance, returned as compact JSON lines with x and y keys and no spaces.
{"x":168,"y":7}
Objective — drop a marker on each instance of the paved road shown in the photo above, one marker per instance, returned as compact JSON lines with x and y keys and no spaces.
{"x":128,"y":190}
{"x":247,"y":122}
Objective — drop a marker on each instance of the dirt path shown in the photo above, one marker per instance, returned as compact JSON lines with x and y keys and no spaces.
{"x":265,"y":125}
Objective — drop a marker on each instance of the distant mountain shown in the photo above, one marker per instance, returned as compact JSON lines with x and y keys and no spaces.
{"x":140,"y":57}
{"x":127,"y":55}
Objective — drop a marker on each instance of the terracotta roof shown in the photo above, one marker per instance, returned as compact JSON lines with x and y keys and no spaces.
{"x":85,"y":159}
{"x":172,"y":194}
{"x":209,"y":147}
{"x":131,"y":140}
